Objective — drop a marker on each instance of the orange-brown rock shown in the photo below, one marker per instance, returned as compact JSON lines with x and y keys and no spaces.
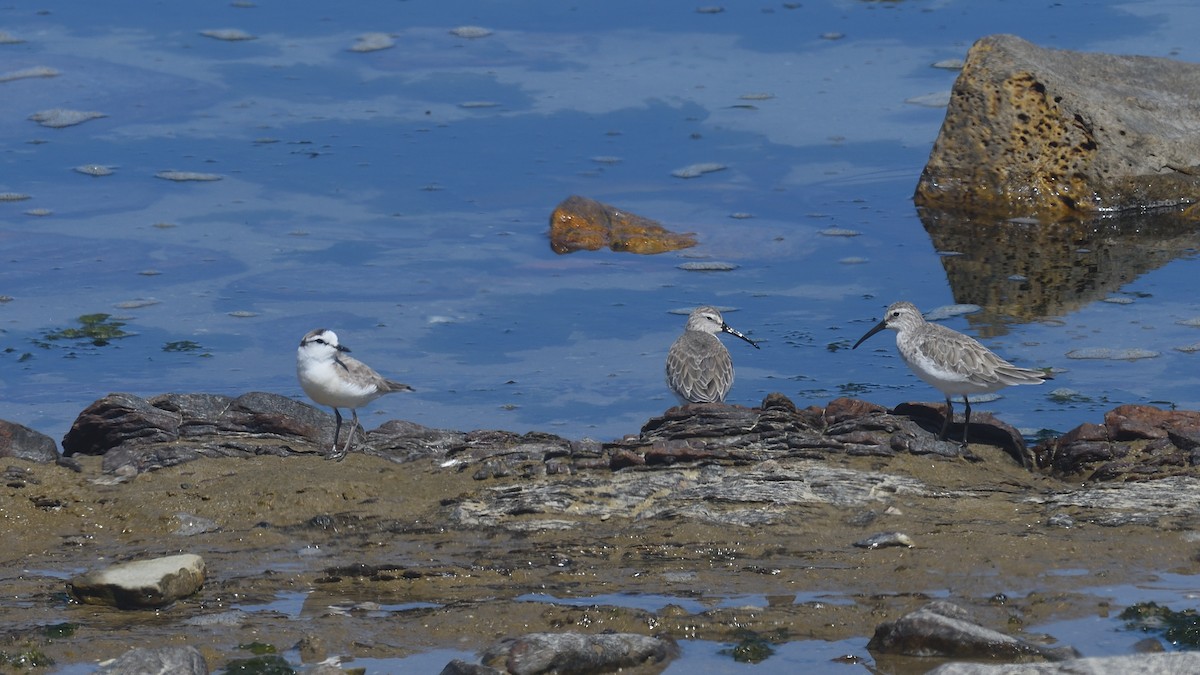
{"x":1034,"y":131}
{"x":581,"y":223}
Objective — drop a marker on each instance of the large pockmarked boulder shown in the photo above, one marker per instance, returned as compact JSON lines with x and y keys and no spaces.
{"x":1036,"y":131}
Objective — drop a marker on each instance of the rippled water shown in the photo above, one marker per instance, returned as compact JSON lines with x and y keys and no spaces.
{"x":401,"y":197}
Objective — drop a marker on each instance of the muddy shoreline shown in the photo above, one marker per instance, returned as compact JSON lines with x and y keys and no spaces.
{"x":369,"y":530}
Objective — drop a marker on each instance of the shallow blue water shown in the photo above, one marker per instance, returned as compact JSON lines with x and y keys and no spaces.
{"x":372,"y":193}
{"x":359,"y":193}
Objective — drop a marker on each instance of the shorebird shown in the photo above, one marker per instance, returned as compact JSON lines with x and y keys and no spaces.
{"x":699,"y":369}
{"x":331,"y":378}
{"x":956,"y":364}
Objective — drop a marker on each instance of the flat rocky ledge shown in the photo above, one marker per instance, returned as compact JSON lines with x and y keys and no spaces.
{"x":134,"y":435}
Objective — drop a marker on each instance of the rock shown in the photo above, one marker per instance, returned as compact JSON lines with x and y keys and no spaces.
{"x":1136,"y":442}
{"x":1178,"y":663}
{"x":142,"y":584}
{"x":538,"y":653}
{"x":943,"y":629}
{"x":460,"y":667}
{"x":20,"y":442}
{"x":157,"y":661}
{"x":581,"y":223}
{"x":136,"y":434}
{"x":1040,"y":131}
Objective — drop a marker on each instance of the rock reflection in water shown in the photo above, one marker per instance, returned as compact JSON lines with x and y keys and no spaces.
{"x":1023,"y":270}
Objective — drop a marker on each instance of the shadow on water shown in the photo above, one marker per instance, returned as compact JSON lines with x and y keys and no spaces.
{"x":1018,"y":269}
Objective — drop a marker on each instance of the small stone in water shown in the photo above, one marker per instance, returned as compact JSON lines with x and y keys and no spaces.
{"x":606,"y":159}
{"x":853,"y":260}
{"x":478,"y":104}
{"x":57,"y":118}
{"x":94,"y":170}
{"x":38,"y":212}
{"x":1194,"y":321}
{"x":149,"y":273}
{"x":1189,"y":349}
{"x":947,"y":311}
{"x":1131,"y":354}
{"x":471,"y":32}
{"x":948,"y":64}
{"x":1118,"y":300}
{"x":136,"y":304}
{"x":711,"y":9}
{"x":6,"y":39}
{"x":885,"y":539}
{"x":712,"y":266}
{"x":741,"y":215}
{"x":13,"y":197}
{"x":373,"y":42}
{"x":757,"y":97}
{"x":228,"y":34}
{"x":164,"y":226}
{"x":838,"y":232}
{"x":695,"y":170}
{"x":180,"y":176}
{"x":36,"y":71}
{"x":243,"y":314}
{"x":832,"y":35}
{"x":937,"y":99}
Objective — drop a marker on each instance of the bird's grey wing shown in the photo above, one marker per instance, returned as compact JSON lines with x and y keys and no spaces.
{"x":968,"y":358}
{"x":698,"y":371}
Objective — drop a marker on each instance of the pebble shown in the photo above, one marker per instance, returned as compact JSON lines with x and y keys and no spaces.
{"x":228,"y":34}
{"x":711,"y":266}
{"x":94,"y":170}
{"x":695,"y":170}
{"x":181,"y":176}
{"x":36,"y":71}
{"x":838,"y":232}
{"x":937,"y":99}
{"x":57,"y":118}
{"x":13,"y":197}
{"x":948,"y":311}
{"x":471,"y":32}
{"x":884,"y":540}
{"x":373,"y":42}
{"x":1131,"y":354}
{"x":949,"y":64}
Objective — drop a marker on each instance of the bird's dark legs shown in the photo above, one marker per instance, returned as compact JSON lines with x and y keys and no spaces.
{"x":333,"y":452}
{"x":353,"y":431}
{"x":966,"y":419}
{"x":946,"y":421}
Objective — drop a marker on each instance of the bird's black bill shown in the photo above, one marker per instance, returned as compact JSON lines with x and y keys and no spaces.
{"x":876,"y":329}
{"x":343,"y":348}
{"x":727,"y":329}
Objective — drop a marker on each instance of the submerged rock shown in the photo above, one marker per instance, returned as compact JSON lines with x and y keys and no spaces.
{"x":1178,"y":663}
{"x":944,"y":629}
{"x":1041,"y":131}
{"x":539,"y":653}
{"x":174,"y":660}
{"x":142,"y":584}
{"x":579,"y":223}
